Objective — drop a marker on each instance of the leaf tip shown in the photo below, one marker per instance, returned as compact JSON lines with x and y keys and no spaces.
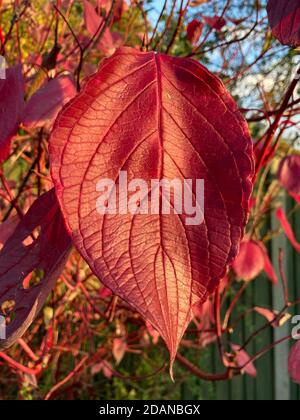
{"x":171,"y":370}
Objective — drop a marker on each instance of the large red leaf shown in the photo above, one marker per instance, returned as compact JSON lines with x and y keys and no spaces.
{"x":156,"y":117}
{"x":11,"y":107}
{"x":23,"y":255}
{"x":284,"y":19}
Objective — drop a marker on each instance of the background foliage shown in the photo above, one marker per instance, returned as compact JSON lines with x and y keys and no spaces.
{"x":86,"y":343}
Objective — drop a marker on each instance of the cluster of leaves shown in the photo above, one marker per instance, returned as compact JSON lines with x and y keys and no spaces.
{"x":153,"y":110}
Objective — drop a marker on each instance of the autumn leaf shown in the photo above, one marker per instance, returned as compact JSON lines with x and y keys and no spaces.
{"x":7,"y":228}
{"x":294,"y":362}
{"x":156,"y":117}
{"x":194,"y":31}
{"x":252,"y":260}
{"x":215,"y":22}
{"x":284,"y":19}
{"x":11,"y":108}
{"x":152,"y":332}
{"x":94,"y":23}
{"x":105,"y":367}
{"x":119,"y":349}
{"x":119,"y":8}
{"x":243,"y":360}
{"x":44,"y":105}
{"x":281,"y":216}
{"x":272,"y":316}
{"x":44,"y":254}
{"x":289,"y":175}
{"x":195,"y":3}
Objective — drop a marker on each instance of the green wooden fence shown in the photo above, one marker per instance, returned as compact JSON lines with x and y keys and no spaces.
{"x":272,"y":382}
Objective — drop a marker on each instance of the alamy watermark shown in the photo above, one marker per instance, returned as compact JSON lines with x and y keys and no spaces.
{"x":176,"y":196}
{"x":2,"y":68}
{"x":296,"y":330}
{"x":2,"y":328}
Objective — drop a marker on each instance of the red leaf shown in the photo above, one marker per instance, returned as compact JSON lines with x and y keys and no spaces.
{"x":271,"y":315}
{"x":104,"y":367}
{"x":194,"y":31}
{"x":195,"y":3}
{"x":269,"y":269}
{"x":105,"y":292}
{"x":207,"y":338}
{"x":11,"y":108}
{"x":289,"y":174}
{"x":103,"y":5}
{"x":236,"y":21}
{"x":205,"y":314}
{"x":2,"y":38}
{"x":48,"y":341}
{"x":250,"y":261}
{"x":216,"y":22}
{"x":47,"y":253}
{"x":284,"y":19}
{"x":7,"y":228}
{"x":119,"y":349}
{"x":110,"y":42}
{"x":44,"y":105}
{"x":91,"y":18}
{"x":93,"y":21}
{"x":296,"y":197}
{"x":294,"y":362}
{"x":266,"y":313}
{"x":242,"y":359}
{"x":153,"y":332}
{"x":156,"y":117}
{"x":120,"y":8}
{"x":287,"y":228}
{"x":268,"y":266}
